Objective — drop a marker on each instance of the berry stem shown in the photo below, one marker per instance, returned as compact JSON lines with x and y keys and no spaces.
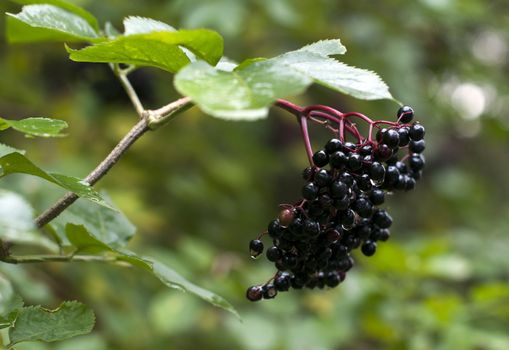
{"x":290,"y":107}
{"x":305,"y":135}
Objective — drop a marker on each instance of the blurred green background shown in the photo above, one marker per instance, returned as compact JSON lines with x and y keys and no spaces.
{"x":199,"y":189}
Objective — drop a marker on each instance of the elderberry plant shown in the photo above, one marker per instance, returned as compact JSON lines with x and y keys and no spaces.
{"x":311,"y":240}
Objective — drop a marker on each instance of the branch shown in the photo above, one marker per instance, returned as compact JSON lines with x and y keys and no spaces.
{"x":27,"y":259}
{"x":102,"y":169}
{"x":126,"y":84}
{"x":159,"y":117}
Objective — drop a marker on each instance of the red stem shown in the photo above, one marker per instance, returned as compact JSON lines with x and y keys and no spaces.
{"x":305,"y":135}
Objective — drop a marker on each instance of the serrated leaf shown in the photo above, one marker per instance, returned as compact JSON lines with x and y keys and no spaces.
{"x":17,"y":163}
{"x":66,"y":6}
{"x":143,"y":25}
{"x":35,"y":323}
{"x":248,"y":91}
{"x":156,"y":49}
{"x":325,"y":47}
{"x":241,"y":94}
{"x":110,"y":227}
{"x":48,"y":23}
{"x":10,"y":304}
{"x":17,"y":222}
{"x":36,"y":126}
{"x":172,"y":279}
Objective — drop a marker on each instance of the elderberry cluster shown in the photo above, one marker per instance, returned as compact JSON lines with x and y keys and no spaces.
{"x":340,"y":209}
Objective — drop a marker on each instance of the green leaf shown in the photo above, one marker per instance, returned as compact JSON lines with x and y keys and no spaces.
{"x":156,"y":49}
{"x":66,"y":6}
{"x":35,"y":323}
{"x":248,"y":91}
{"x":48,"y":23}
{"x":241,"y":94}
{"x":172,"y":279}
{"x":84,"y":242}
{"x":143,"y":25}
{"x":4,"y":150}
{"x":36,"y":126}
{"x":17,"y":163}
{"x":107,"y":226}
{"x":17,"y":222}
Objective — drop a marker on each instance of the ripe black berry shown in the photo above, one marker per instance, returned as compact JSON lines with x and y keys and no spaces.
{"x":308,"y":173}
{"x":382,"y":219}
{"x":333,"y":145}
{"x":354,"y":162}
{"x":273,"y":254}
{"x":405,"y":114}
{"x":255,"y":248}
{"x":338,"y":189}
{"x":377,"y":196}
{"x":254,"y":293}
{"x":376,"y":171}
{"x":282,"y":282}
{"x":404,"y":136}
{"x":322,"y":178}
{"x":417,"y":146}
{"x":269,"y":291}
{"x":368,"y":248}
{"x":321,"y":158}
{"x":416,"y":162}
{"x":274,"y":229}
{"x":391,"y":138}
{"x":310,"y":191}
{"x":338,"y":160}
{"x":417,"y":132}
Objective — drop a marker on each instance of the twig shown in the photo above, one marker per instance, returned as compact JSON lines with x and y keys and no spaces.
{"x":102,"y":169}
{"x":126,"y":84}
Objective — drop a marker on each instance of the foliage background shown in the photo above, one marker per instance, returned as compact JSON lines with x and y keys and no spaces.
{"x":201,"y":188}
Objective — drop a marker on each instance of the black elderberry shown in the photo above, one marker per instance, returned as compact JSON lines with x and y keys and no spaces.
{"x":295,"y":226}
{"x":273,"y":254}
{"x":391,"y":175}
{"x":290,"y":261}
{"x":363,"y":207}
{"x":338,"y":189}
{"x":310,"y":191}
{"x":404,"y":136}
{"x":364,"y":182}
{"x":391,"y":138}
{"x":376,"y":171}
{"x":382,"y":219}
{"x":332,"y":279}
{"x":379,"y":134}
{"x":346,"y":178}
{"x":274,"y":229}
{"x":269,"y":291}
{"x":366,"y":150}
{"x":349,"y":147}
{"x":403,"y":169}
{"x":255,"y":248}
{"x":383,"y":152}
{"x":417,"y":132}
{"x":333,"y":145}
{"x":347,"y":218}
{"x":368,"y":248}
{"x":325,"y":201}
{"x":322,"y":178}
{"x":308,"y":173}
{"x":409,"y":183}
{"x":354,"y":162}
{"x":254,"y":293}
{"x":377,"y":196}
{"x":282,"y":282}
{"x":321,"y":158}
{"x":416,"y":162}
{"x":338,"y":160}
{"x":417,"y":146}
{"x":405,"y":114}
{"x":311,"y":228}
